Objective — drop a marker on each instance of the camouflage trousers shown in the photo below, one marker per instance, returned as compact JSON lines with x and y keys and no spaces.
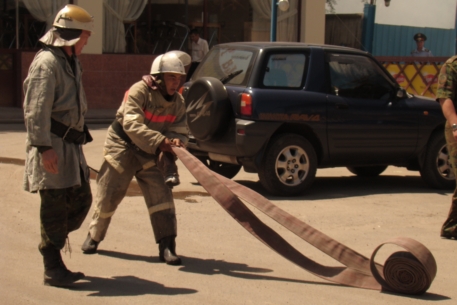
{"x":63,"y":211}
{"x":113,"y":183}
{"x":449,"y":228}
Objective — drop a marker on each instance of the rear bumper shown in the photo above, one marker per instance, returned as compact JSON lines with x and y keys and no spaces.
{"x":243,"y":140}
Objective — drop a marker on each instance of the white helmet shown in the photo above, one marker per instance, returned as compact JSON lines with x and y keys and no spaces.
{"x":171,"y":62}
{"x":74,"y":17}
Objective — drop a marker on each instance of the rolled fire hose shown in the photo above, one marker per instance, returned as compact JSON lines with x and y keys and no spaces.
{"x":408,"y":272}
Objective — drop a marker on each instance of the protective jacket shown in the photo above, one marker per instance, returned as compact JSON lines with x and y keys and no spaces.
{"x":147,"y":118}
{"x":53,"y":90}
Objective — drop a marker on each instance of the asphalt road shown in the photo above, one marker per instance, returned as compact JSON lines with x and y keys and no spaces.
{"x":222,"y":263}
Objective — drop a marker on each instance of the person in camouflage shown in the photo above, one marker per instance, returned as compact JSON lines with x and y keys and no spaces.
{"x":54,"y":109}
{"x":152,"y":117}
{"x":447,"y":97}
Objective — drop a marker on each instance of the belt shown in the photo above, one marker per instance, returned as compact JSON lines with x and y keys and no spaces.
{"x":407,"y":272}
{"x":69,"y":134}
{"x":119,"y":130}
{"x":117,"y":127}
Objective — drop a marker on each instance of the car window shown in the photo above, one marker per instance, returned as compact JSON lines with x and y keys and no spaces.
{"x":221,"y":62}
{"x":284,"y":70}
{"x":357,"y":77}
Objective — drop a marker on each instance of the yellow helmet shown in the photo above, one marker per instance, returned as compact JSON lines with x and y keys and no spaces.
{"x":74,"y":17}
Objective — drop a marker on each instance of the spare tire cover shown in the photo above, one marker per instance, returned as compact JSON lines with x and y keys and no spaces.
{"x":208,"y":108}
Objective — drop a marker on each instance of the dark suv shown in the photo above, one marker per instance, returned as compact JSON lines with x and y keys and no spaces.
{"x":282,"y":110}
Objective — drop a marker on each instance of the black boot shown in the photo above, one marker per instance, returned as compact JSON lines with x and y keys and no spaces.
{"x":55,"y":271}
{"x":167,"y":246}
{"x":449,"y":229}
{"x":89,"y":246}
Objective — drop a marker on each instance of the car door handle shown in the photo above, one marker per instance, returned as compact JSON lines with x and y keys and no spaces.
{"x":341,"y":106}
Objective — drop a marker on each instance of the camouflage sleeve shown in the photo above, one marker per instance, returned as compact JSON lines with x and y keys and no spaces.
{"x":447,"y":80}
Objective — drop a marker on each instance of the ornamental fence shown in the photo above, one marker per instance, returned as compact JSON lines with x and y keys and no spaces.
{"x":419,"y":76}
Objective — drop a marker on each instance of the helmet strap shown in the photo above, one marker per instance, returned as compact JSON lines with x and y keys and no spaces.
{"x":163,"y":88}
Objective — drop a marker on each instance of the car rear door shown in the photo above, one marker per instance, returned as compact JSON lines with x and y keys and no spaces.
{"x":366,"y":122}
{"x":279,"y":92}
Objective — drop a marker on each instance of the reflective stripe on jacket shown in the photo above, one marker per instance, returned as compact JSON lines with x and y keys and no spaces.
{"x":147,"y":118}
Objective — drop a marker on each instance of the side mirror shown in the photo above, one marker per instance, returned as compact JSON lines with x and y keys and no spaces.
{"x":401,"y":93}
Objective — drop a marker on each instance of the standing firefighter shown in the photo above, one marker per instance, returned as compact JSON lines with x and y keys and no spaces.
{"x":447,"y":97}
{"x":54,"y":109}
{"x":150,"y":120}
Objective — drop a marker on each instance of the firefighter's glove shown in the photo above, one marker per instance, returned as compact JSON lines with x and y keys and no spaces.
{"x":166,"y":145}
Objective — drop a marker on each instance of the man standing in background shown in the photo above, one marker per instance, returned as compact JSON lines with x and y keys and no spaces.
{"x":420,"y":50}
{"x":199,"y":48}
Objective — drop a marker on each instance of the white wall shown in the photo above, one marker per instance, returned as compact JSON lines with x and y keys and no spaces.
{"x":418,"y":13}
{"x":348,"y":6}
{"x":313,"y":21}
{"x":422,"y":13}
{"x":95,"y":8}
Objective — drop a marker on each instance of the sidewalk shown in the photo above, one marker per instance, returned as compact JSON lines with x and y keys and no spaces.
{"x":10,"y":115}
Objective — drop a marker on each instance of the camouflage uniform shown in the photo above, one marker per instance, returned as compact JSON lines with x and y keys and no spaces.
{"x":53,"y":90}
{"x":146,"y":118}
{"x":447,"y":88}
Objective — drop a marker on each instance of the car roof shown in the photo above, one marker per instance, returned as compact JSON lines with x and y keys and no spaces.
{"x":280,"y":44}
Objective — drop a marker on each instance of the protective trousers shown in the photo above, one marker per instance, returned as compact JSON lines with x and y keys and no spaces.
{"x":63,"y":211}
{"x":449,"y":228}
{"x":113,"y":183}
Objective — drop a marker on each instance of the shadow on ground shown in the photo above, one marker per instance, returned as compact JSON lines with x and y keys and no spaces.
{"x":353,"y":186}
{"x":126,"y":286}
{"x":323,"y":187}
{"x":212,"y":267}
{"x":131,"y":285}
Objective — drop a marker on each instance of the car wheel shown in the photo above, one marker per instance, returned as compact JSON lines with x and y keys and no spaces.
{"x":437,"y":170}
{"x":367,"y":171}
{"x":224,"y":169}
{"x":289,"y":165}
{"x":208,"y":109}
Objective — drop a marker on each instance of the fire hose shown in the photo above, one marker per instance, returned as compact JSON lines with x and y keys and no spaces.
{"x":408,"y":272}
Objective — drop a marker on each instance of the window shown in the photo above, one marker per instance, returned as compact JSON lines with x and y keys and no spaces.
{"x":284,"y":70}
{"x":221,"y":62}
{"x":358,"y":77}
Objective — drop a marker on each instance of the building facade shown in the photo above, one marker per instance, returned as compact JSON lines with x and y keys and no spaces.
{"x":128,"y":35}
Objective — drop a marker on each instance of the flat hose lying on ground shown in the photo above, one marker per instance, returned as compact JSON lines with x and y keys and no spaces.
{"x":407,"y":272}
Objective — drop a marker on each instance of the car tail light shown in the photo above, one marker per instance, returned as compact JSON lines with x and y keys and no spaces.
{"x":246,"y":104}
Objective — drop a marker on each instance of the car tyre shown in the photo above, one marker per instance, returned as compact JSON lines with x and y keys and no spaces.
{"x":437,"y":171}
{"x":367,"y":171}
{"x":224,"y":169}
{"x":289,"y":165}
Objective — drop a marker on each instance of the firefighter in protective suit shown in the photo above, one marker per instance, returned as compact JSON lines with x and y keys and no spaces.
{"x":54,"y":109}
{"x":150,"y":120}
